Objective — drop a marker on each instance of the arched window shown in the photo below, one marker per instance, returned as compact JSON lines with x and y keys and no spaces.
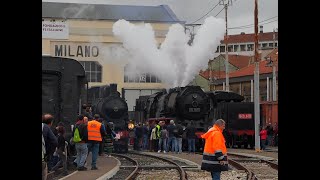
{"x":140,"y":77}
{"x":93,"y":70}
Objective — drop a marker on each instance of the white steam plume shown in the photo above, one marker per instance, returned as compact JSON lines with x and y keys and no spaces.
{"x":175,"y":62}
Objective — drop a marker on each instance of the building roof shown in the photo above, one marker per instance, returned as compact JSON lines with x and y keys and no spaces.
{"x":249,"y":71}
{"x":245,"y":38}
{"x":161,"y":13}
{"x":238,"y":60}
{"x":264,"y":68}
{"x":215,"y":74}
{"x":273,"y":54}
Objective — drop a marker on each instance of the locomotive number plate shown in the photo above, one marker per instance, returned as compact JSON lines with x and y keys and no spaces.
{"x":194,"y":109}
{"x":245,"y":116}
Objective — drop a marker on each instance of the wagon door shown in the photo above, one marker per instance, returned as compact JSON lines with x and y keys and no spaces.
{"x":51,"y":94}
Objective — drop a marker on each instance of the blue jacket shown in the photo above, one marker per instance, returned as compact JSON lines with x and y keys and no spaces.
{"x":50,"y":139}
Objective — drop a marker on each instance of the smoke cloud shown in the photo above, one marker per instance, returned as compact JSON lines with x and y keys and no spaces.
{"x":175,"y":62}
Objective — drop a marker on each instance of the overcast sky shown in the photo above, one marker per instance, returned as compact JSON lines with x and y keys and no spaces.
{"x":239,"y":14}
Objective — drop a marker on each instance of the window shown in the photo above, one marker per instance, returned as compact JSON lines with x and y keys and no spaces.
{"x":222,"y":48}
{"x":140,"y":78}
{"x":230,"y":48}
{"x":264,"y":45}
{"x":236,"y":48}
{"x":275,"y":44}
{"x":217,"y":49}
{"x":250,"y":47}
{"x":243,"y":47}
{"x":270,"y":44}
{"x":93,"y":70}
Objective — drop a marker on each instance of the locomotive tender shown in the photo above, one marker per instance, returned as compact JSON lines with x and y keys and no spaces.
{"x":63,"y":90}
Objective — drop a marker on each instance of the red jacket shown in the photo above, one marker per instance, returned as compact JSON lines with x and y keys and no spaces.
{"x":263,"y":134}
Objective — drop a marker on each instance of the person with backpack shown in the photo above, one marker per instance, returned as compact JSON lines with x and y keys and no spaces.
{"x":49,"y":141}
{"x":80,"y":138}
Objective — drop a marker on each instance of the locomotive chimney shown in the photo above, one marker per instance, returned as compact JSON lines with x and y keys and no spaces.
{"x":113,"y":88}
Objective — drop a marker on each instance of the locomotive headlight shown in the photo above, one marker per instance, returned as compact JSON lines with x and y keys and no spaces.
{"x":194,"y":104}
{"x":130,"y":125}
{"x":115,"y":109}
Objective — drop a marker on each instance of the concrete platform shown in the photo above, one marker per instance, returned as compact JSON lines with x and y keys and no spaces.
{"x":107,"y":167}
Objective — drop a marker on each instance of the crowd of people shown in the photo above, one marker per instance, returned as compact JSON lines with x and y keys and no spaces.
{"x":159,"y":137}
{"x":89,"y":134}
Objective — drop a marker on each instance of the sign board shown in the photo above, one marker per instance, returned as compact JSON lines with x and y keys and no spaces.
{"x":92,"y":51}
{"x":194,"y":109}
{"x":245,"y":116}
{"x":142,"y":78}
{"x":55,"y":29}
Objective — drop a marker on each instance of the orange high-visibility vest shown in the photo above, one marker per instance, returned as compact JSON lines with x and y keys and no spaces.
{"x":215,"y":150}
{"x":94,"y":130}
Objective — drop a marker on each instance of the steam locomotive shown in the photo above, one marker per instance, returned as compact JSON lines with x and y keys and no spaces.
{"x":106,"y":101}
{"x":184,"y":104}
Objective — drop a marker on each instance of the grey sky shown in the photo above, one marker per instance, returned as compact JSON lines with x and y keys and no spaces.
{"x":239,"y":14}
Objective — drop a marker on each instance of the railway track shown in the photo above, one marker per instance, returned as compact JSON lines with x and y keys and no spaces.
{"x":141,"y":166}
{"x":257,"y":169}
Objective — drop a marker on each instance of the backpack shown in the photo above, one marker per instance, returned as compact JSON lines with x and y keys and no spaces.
{"x":43,"y":146}
{"x":76,"y":135}
{"x":163,"y":133}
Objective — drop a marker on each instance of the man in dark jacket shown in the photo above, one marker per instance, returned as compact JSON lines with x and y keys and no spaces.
{"x":51,"y":142}
{"x":191,"y":136}
{"x":172,"y":138}
{"x":178,"y":131}
{"x":50,"y":139}
{"x":139,"y":135}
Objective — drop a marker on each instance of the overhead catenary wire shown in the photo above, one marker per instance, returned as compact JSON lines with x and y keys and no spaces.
{"x":206,"y":13}
{"x":220,"y":12}
{"x":250,"y":25}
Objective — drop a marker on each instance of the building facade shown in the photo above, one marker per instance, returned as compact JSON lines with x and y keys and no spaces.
{"x":243,"y":44}
{"x":241,"y":81}
{"x":84,"y":32}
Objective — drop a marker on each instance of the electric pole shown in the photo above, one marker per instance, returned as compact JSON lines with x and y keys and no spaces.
{"x":274,"y":79}
{"x":256,"y":80}
{"x":225,"y":4}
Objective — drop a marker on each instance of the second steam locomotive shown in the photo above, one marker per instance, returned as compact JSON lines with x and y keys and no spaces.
{"x":106,"y":101}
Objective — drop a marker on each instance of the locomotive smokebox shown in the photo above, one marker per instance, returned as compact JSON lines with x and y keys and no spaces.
{"x":113,"y":88}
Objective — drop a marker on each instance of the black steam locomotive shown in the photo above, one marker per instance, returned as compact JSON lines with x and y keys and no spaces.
{"x":63,"y":90}
{"x":184,"y":104}
{"x":106,"y":101}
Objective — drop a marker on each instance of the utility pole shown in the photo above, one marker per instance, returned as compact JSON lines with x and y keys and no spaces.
{"x":274,"y":79}
{"x":225,"y":4}
{"x":256,"y":80}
